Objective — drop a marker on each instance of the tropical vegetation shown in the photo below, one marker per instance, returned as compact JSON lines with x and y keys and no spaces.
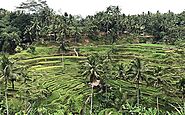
{"x":103,"y":64}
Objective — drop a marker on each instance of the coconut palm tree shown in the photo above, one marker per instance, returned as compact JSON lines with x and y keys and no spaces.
{"x":92,"y":68}
{"x":63,"y":29}
{"x":181,"y":86}
{"x":112,"y":21}
{"x":92,"y":74}
{"x":158,"y":82}
{"x":77,"y":34}
{"x":12,"y":78}
{"x":136,"y":73}
{"x":6,"y":70}
{"x":34,"y":29}
{"x":180,"y":110}
{"x":121,"y":72}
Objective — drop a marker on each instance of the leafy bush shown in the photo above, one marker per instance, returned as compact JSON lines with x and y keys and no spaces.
{"x":18,"y":49}
{"x":31,"y":49}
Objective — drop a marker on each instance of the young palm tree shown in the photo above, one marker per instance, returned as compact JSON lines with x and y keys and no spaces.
{"x":121,"y":72}
{"x":24,"y":75}
{"x":12,"y":78}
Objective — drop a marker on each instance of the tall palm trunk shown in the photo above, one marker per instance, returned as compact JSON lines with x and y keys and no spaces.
{"x":6,"y":94}
{"x":63,"y":61}
{"x":1,"y":90}
{"x":55,"y":36}
{"x":106,"y":95}
{"x":84,"y":108}
{"x":13,"y":84}
{"x":63,"y":40}
{"x":183,"y":90}
{"x":157,"y":105}
{"x":91,"y":109}
{"x":107,"y":32}
{"x":113,"y":38}
{"x":75,"y":35}
{"x":138,"y":90}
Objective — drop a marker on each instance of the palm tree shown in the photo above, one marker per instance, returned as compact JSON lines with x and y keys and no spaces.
{"x":12,"y":79}
{"x":106,"y":68}
{"x":113,"y":18}
{"x":135,"y":72}
{"x":181,"y":86}
{"x":92,"y":68}
{"x":107,"y":23}
{"x":1,"y":92}
{"x":158,"y":82}
{"x":63,"y":31}
{"x":180,"y":110}
{"x":6,"y":70}
{"x":25,"y":76}
{"x":121,"y":72}
{"x":34,"y":29}
{"x":92,"y":72}
{"x":77,"y":34}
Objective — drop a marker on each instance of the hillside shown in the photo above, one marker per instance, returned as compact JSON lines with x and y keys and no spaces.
{"x":55,"y":84}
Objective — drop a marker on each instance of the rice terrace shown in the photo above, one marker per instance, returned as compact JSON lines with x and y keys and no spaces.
{"x":109,"y":63}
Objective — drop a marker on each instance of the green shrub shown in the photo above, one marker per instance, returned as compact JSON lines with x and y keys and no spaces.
{"x":18,"y":49}
{"x":31,"y":49}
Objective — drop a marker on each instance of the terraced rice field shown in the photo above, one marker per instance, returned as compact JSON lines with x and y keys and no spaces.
{"x":56,"y":74}
{"x":58,"y":84}
{"x":169,"y":58}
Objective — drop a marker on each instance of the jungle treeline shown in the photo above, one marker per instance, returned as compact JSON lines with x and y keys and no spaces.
{"x":36,"y":21}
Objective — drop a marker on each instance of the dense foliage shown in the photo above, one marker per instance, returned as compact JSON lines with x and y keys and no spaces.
{"x":35,"y":21}
{"x":49,"y":64}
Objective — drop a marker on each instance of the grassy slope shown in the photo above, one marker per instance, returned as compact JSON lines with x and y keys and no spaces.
{"x":68,"y":90}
